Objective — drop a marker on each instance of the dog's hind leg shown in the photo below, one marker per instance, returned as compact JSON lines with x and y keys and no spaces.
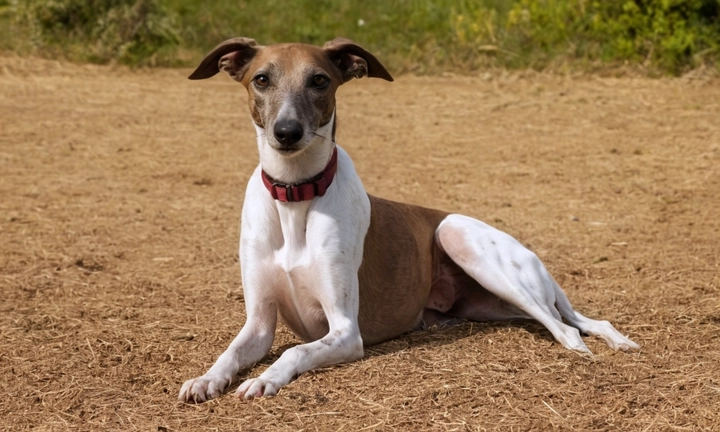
{"x":506,"y":269}
{"x":602,"y":329}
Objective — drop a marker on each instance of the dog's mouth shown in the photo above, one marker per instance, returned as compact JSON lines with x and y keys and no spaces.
{"x":287,"y":150}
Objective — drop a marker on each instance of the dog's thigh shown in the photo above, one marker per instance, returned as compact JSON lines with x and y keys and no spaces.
{"x":508,"y":270}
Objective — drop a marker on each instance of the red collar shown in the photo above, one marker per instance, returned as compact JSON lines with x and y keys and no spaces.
{"x":305,"y":191}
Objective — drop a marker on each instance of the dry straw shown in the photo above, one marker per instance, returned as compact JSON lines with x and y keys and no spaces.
{"x":121,"y":193}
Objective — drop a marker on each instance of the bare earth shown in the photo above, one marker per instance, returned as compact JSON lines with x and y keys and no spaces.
{"x":120,"y":199}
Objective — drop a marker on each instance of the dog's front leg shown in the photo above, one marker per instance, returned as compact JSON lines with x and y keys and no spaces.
{"x":249,"y":346}
{"x":343,"y":343}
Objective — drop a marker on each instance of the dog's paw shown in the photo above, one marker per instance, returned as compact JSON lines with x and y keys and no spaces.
{"x":570,"y":338}
{"x":621,"y":343}
{"x":257,"y":387}
{"x":580,"y":348}
{"x":202,"y":389}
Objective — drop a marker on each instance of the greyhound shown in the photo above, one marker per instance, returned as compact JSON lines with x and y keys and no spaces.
{"x":344,"y":268}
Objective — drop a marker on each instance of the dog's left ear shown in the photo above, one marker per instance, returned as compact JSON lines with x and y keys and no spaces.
{"x":354,"y":61}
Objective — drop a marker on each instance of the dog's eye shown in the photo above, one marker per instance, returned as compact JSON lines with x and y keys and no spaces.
{"x":262,"y":81}
{"x":320,"y":81}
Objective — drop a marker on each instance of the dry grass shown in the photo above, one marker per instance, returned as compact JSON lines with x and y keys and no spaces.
{"x":120,"y":198}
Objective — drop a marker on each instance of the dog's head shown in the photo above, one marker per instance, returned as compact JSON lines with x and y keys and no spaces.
{"x":291,"y":87}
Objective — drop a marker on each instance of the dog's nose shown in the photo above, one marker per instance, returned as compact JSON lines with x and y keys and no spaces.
{"x":288,"y":132}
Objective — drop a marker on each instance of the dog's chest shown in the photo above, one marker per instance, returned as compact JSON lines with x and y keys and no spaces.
{"x":299,"y":306}
{"x":297,"y":285}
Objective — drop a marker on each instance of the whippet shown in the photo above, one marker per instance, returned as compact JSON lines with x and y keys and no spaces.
{"x":343,"y":268}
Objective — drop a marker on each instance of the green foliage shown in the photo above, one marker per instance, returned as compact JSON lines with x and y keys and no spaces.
{"x":672,"y":35}
{"x":421,"y":35}
{"x":416,"y":35}
{"x":427,"y":35}
{"x":128,"y":31}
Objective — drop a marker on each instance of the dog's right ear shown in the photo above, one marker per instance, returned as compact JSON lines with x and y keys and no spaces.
{"x":231,"y":56}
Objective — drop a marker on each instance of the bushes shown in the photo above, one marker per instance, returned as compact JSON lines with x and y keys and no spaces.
{"x":417,"y":35}
{"x":672,"y":35}
{"x":129,"y":31}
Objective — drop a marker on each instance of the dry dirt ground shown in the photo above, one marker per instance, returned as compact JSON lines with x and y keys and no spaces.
{"x":120,"y":199}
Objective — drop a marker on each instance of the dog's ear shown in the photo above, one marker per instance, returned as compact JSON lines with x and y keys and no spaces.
{"x":231,"y":56}
{"x":354,"y":61}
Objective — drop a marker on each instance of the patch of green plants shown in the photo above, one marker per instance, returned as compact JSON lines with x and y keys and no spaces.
{"x":418,"y":35}
{"x":409,"y":35}
{"x":128,"y":31}
{"x":669,"y":35}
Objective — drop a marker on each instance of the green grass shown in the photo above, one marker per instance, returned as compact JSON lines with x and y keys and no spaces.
{"x":420,"y":35}
{"x":409,"y":35}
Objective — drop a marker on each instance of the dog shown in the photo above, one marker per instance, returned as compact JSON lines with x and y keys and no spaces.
{"x":343,"y":268}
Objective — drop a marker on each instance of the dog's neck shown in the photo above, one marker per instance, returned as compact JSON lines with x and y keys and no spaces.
{"x":298,"y":167}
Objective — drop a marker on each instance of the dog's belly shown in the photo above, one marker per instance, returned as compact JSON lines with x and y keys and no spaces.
{"x":298,"y":305}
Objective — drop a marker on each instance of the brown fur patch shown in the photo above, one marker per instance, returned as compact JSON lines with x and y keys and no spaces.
{"x":397,"y":270}
{"x":290,"y":67}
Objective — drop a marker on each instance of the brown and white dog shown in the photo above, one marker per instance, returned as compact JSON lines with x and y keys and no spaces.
{"x":343,"y":268}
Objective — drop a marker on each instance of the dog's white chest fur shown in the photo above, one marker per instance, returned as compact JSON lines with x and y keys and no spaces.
{"x":293,"y":226}
{"x":299,"y":251}
{"x":298,"y":304}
